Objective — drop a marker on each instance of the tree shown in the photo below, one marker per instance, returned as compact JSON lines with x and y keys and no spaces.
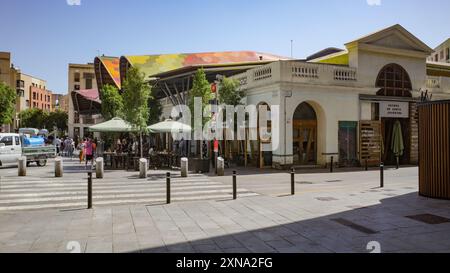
{"x":155,"y":109}
{"x":34,"y":118}
{"x":7,"y":104}
{"x":57,"y":119}
{"x":229,"y":93}
{"x":136,"y":94}
{"x":201,"y":88}
{"x":112,"y":102}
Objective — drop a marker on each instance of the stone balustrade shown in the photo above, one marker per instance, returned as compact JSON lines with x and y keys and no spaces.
{"x":298,"y":72}
{"x":438,"y":84}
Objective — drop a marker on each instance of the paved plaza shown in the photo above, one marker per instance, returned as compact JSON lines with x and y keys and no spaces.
{"x":41,"y":190}
{"x":340,"y":212}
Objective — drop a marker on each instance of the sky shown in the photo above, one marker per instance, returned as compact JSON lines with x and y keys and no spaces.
{"x":44,"y":36}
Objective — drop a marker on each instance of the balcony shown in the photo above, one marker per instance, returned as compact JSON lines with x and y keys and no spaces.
{"x":438,"y":84}
{"x":298,"y":72}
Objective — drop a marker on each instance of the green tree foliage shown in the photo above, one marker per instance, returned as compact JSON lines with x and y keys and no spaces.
{"x":155,"y":109}
{"x":229,"y":92}
{"x":57,"y":119}
{"x":7,"y":104}
{"x":201,"y":88}
{"x":33,"y":118}
{"x":112,"y":102}
{"x":136,"y":94}
{"x":37,"y":118}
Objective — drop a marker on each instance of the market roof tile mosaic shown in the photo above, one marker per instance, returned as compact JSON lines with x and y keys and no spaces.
{"x":155,"y":64}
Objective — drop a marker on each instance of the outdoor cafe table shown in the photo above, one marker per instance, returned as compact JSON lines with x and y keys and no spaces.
{"x":168,"y":160}
{"x":116,"y":160}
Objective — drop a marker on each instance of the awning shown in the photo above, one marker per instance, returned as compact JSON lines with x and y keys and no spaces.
{"x":170,"y":126}
{"x":116,"y":125}
{"x":86,"y":101}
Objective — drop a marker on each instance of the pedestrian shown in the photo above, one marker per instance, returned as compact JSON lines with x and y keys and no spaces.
{"x":89,"y":151}
{"x":70,"y":147}
{"x":57,"y":143}
{"x":81,"y":148}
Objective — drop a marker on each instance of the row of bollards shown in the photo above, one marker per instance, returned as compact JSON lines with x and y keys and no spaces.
{"x":381,"y":176}
{"x":168,"y":191}
{"x":100,"y":173}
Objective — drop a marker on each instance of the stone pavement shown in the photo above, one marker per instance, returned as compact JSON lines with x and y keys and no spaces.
{"x":339,"y":216}
{"x":41,"y":190}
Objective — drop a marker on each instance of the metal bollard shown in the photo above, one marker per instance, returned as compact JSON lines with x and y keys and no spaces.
{"x":293,"y":181}
{"x":99,"y":168}
{"x":22,"y":168}
{"x":381,"y":175}
{"x":234,"y":186}
{"x":59,"y":170}
{"x":184,"y":164}
{"x":168,"y":187}
{"x":331,"y":165}
{"x":90,"y":190}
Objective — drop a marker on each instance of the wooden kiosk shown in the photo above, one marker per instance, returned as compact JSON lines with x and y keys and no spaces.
{"x":434,"y":149}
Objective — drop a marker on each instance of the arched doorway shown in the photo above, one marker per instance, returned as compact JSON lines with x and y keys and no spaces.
{"x":258,"y":148}
{"x":264,"y":144}
{"x":305,"y":135}
{"x":394,"y":83}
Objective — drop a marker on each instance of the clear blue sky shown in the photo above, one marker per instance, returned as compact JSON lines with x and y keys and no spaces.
{"x":46,"y":35}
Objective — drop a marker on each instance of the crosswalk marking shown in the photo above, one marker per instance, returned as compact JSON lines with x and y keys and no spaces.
{"x":71,"y":192}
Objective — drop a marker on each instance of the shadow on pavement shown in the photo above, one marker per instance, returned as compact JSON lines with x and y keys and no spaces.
{"x":388,"y":224}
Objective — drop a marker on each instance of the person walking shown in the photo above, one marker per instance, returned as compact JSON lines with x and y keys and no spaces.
{"x":89,"y":151}
{"x":81,"y":148}
{"x":57,"y":143}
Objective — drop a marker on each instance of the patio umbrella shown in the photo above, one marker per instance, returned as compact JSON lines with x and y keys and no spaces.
{"x":170,"y":126}
{"x":397,"y":145}
{"x":115,"y":125}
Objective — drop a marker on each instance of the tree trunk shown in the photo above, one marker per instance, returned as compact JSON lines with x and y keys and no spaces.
{"x":142,"y":150}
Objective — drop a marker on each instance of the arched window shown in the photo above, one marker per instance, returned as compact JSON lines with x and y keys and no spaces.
{"x":394,"y":81}
{"x":305,"y":112}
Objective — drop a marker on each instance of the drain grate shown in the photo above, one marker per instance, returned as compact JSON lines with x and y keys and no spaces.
{"x":354,"y":226}
{"x":326,"y":199}
{"x":430,"y":219}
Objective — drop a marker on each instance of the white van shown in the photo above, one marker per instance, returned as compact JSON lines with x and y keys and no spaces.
{"x":10,"y":148}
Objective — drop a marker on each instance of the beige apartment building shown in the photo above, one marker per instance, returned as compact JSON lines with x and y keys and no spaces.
{"x":83,"y":99}
{"x":8,"y":76}
{"x":60,"y":102}
{"x":31,"y":91}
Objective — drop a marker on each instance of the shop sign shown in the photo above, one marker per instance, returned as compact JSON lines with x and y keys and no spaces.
{"x":394,"y":109}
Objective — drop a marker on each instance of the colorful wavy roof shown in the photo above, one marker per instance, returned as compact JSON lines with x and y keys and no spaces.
{"x":112,"y":66}
{"x":156,"y":64}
